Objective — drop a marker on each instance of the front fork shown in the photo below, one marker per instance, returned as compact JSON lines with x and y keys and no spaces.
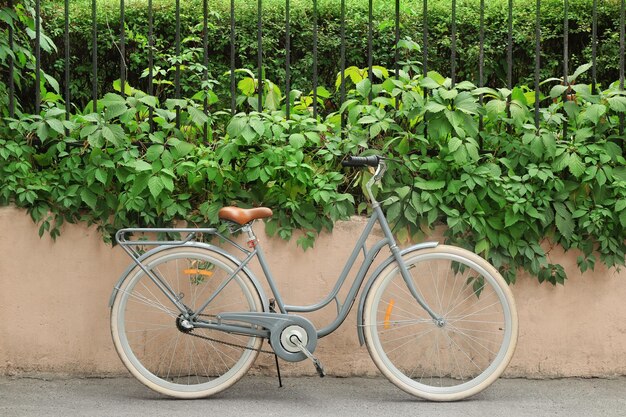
{"x":380,"y":171}
{"x":439,"y":321}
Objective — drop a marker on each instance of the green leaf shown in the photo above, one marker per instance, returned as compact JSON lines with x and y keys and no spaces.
{"x":149,"y":101}
{"x":576,"y":165}
{"x":434,"y":107}
{"x":117,"y":86}
{"x":114,"y":134}
{"x":581,"y":69}
{"x":236,"y":126}
{"x":182,"y":147}
{"x":595,"y":112}
{"x":56,"y":125}
{"x":364,"y":87}
{"x":454,"y":143}
{"x":155,"y":185}
{"x":101,"y":175}
{"x":510,"y":218}
{"x":154,"y":152}
{"x":465,"y":85}
{"x":471,"y":203}
{"x":620,"y":204}
{"x":141,"y":165}
{"x":518,"y":95}
{"x":247,"y":86}
{"x":403,"y":146}
{"x":448,"y":94}
{"x":617,"y":103}
{"x":466,"y":102}
{"x":438,"y":78}
{"x":557,"y":91}
{"x":115,"y":110}
{"x":297,"y":140}
{"x":622,"y":218}
{"x":53,"y":83}
{"x":481,"y":246}
{"x":429,"y":185}
{"x":258,"y":126}
{"x":495,"y":107}
{"x":428,"y":82}
{"x":367,"y":119}
{"x":89,"y":198}
{"x":111,"y":99}
{"x":197,"y":116}
{"x":565,"y":224}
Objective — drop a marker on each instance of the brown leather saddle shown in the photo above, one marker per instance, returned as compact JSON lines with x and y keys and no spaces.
{"x":243,"y":216}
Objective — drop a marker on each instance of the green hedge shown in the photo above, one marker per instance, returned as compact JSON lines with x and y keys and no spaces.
{"x":496,"y":15}
{"x":504,"y":188}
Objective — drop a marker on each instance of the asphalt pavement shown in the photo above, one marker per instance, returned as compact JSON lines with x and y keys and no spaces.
{"x":309,"y":396}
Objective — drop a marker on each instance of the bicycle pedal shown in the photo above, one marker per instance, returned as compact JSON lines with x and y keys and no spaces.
{"x":319,"y":368}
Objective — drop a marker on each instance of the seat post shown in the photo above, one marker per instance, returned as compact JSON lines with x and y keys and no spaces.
{"x":252,"y":239}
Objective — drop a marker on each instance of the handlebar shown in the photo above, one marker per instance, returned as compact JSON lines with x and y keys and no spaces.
{"x":361,"y":161}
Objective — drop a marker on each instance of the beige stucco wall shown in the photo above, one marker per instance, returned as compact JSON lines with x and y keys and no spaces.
{"x":54,"y":307}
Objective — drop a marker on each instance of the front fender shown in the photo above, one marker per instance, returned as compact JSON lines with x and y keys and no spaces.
{"x":206,"y":246}
{"x":375,"y":274}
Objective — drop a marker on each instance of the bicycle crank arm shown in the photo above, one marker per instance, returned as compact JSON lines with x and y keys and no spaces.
{"x":318,"y":365}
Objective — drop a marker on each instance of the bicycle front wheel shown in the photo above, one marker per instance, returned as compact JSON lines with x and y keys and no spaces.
{"x":152,"y":340}
{"x":456,"y":356}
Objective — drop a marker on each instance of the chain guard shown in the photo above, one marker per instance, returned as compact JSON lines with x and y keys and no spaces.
{"x":277,"y":324}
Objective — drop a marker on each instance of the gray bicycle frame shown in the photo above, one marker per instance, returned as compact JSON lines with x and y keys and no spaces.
{"x":343,"y":309}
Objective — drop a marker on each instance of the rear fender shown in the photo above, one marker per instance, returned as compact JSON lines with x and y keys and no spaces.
{"x":206,"y":246}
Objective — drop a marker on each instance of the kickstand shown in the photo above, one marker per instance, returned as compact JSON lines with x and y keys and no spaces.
{"x":280,"y":380}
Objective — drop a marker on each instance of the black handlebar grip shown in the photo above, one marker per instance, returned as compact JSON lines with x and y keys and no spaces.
{"x":361,"y":161}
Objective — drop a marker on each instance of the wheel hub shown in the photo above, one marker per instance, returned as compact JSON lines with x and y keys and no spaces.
{"x":183,"y":324}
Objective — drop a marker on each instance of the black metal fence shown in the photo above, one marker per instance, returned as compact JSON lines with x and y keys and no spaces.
{"x":314,"y":42}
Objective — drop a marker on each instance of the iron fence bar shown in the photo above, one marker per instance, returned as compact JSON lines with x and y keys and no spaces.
{"x":37,"y":56}
{"x":565,"y":60}
{"x":453,"y":44}
{"x":150,"y":58}
{"x":94,"y":57}
{"x":177,"y":76}
{"x":370,"y":46}
{"x":342,"y":36}
{"x":122,"y":50}
{"x":481,"y":65}
{"x":232,"y":58}
{"x":594,"y":46}
{"x":621,"y":64}
{"x":260,"y":54}
{"x":205,"y":60}
{"x":509,"y":56}
{"x":11,"y":71}
{"x":67,"y":63}
{"x":537,"y":59}
{"x":287,"y":60}
{"x":342,"y":59}
{"x":565,"y":40}
{"x":315,"y":59}
{"x":397,"y":40}
{"x":509,"y":60}
{"x":425,"y":55}
{"x":425,"y":38}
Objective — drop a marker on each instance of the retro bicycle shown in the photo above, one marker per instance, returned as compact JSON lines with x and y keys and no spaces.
{"x":188,"y":318}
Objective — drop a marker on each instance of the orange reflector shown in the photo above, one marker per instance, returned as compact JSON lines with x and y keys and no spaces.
{"x":388,"y":314}
{"x":197,"y":272}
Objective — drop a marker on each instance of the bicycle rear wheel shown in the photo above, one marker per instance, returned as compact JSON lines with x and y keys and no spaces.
{"x":153,"y":343}
{"x":458,"y":356}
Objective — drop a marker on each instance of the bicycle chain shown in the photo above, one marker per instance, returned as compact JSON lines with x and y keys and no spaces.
{"x":260,"y":350}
